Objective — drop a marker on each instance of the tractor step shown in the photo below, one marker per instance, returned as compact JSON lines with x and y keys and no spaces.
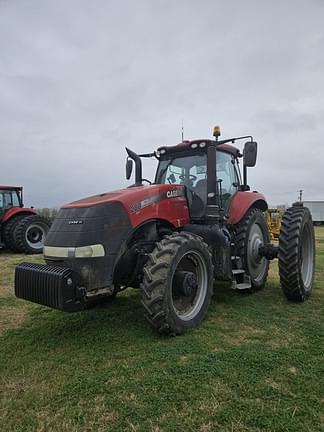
{"x":243,"y":286}
{"x":238,"y":272}
{"x":236,"y":261}
{"x":240,"y":280}
{"x":235,"y":257}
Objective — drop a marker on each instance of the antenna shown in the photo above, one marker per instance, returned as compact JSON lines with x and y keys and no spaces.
{"x":301,"y":195}
{"x":181,"y":130}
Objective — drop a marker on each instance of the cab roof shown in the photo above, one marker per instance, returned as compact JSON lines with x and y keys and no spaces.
{"x":187,"y":145}
{"x":6,"y":187}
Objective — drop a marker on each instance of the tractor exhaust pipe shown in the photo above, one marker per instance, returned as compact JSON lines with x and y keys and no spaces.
{"x":138,"y":166}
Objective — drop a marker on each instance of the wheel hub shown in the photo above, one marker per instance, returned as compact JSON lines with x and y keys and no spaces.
{"x":35,"y":235}
{"x":255,"y":244}
{"x":257,"y":263}
{"x":185,"y":283}
{"x":189,"y":285}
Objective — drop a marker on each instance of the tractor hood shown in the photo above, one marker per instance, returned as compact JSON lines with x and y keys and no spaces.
{"x":167,"y":202}
{"x":128,"y":196}
{"x":96,"y":229}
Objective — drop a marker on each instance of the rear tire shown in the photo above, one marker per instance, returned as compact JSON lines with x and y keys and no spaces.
{"x":8,"y":232}
{"x":250,"y":234}
{"x":178,"y":283}
{"x":297,"y":253}
{"x":30,"y":233}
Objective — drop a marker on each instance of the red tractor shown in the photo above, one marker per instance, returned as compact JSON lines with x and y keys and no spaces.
{"x":21,"y":229}
{"x":196,"y":224}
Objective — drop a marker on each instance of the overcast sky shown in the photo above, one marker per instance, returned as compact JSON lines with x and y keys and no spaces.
{"x":79,"y":80}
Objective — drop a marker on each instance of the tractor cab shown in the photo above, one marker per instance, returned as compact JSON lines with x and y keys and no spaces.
{"x":208,"y":169}
{"x":189,"y":168}
{"x":10,"y":197}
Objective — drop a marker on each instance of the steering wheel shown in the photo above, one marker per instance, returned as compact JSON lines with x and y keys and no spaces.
{"x":148,"y":181}
{"x":191,"y":177}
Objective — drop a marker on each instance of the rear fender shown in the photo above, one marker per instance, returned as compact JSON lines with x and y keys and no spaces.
{"x":15,"y":211}
{"x":242,"y":202}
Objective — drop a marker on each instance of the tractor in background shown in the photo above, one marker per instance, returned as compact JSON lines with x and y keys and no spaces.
{"x":21,"y":229}
{"x":174,"y":238}
{"x":273,"y":218}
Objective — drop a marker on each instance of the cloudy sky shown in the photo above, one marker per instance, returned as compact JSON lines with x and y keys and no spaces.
{"x":81,"y":79}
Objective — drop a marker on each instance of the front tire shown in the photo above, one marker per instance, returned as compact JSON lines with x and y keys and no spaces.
{"x":296,"y":253}
{"x":177,"y":284}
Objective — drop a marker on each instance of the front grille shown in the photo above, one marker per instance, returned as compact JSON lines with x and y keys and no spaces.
{"x":51,"y":286}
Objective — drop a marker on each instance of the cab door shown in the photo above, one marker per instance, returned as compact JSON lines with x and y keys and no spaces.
{"x":227,"y":178}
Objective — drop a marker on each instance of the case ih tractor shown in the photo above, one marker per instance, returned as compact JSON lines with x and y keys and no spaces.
{"x":196,"y":224}
{"x":21,"y":229}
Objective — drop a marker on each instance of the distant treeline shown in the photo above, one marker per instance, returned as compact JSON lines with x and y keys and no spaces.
{"x":48,"y":213}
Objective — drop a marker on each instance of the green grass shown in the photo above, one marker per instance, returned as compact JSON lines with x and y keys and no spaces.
{"x":255,"y":364}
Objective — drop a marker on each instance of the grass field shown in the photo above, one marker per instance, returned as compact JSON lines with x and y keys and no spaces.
{"x":255,"y":364}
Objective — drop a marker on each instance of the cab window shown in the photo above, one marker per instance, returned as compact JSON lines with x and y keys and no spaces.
{"x":227,"y":177}
{"x":8,"y":199}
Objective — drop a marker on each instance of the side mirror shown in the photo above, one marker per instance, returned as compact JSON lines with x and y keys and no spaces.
{"x":250,"y":153}
{"x":129,"y":168}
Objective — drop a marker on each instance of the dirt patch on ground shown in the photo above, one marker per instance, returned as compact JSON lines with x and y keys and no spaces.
{"x":5,"y":291}
{"x":271,"y":336}
{"x":11,"y":318}
{"x":235,"y":336}
{"x":98,"y":416}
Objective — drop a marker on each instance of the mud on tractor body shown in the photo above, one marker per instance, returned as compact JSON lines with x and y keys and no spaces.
{"x":196,"y":224}
{"x":21,"y":229}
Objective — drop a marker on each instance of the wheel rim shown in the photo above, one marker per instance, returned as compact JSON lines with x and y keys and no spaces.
{"x":306,"y":257}
{"x":35,"y":236}
{"x":188,"y":306}
{"x":257,"y":264}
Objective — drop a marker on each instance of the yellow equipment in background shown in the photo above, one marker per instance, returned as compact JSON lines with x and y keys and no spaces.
{"x":273,"y":217}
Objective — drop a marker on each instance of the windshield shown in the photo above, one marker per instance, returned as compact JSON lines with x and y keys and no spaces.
{"x":186,"y":170}
{"x":8,"y":199}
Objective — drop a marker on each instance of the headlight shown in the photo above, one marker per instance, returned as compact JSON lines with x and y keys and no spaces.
{"x":89,"y":251}
{"x":92,"y":251}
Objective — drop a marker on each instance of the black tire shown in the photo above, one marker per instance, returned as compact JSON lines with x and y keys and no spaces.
{"x":178,"y":283}
{"x":250,"y":234}
{"x":8,"y":231}
{"x":29,"y":235}
{"x":297,"y":253}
